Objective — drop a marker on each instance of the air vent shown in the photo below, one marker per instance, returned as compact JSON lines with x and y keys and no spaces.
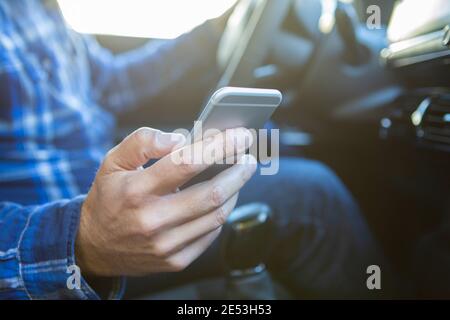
{"x":432,"y":121}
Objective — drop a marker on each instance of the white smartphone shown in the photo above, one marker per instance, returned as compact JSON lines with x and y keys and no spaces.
{"x":232,"y":107}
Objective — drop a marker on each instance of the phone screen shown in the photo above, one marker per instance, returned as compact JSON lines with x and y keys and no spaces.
{"x":229,"y":108}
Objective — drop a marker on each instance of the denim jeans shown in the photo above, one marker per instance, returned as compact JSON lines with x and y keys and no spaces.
{"x":322,"y":245}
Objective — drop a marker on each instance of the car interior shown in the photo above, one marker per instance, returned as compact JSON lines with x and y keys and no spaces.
{"x":370,"y":100}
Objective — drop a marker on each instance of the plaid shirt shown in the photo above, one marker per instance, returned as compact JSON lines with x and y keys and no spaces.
{"x":59,"y":92}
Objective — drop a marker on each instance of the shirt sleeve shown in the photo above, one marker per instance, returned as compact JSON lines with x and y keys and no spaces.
{"x":37,"y":252}
{"x":122,"y":81}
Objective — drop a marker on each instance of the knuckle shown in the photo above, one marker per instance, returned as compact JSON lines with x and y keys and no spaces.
{"x":186,"y":168}
{"x":132,"y":196}
{"x":161,"y":251}
{"x":142,"y":138}
{"x":221,"y":216}
{"x":149,"y":227}
{"x":108,"y":160}
{"x":177,"y":265}
{"x":217,"y":196}
{"x":142,"y":135}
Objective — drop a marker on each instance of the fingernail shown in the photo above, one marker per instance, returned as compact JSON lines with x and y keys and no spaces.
{"x":169,"y":139}
{"x":249,"y":161}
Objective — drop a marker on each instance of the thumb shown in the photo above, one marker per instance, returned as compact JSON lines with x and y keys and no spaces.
{"x":139,"y":147}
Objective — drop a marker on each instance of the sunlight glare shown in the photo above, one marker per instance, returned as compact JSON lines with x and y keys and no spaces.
{"x":162,"y":19}
{"x":413,"y":15}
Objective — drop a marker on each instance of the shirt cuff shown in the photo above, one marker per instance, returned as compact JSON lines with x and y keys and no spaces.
{"x":46,"y":255}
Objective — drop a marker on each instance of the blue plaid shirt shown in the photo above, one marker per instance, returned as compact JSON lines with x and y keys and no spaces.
{"x":59,"y":92}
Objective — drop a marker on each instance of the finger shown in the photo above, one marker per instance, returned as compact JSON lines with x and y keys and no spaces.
{"x":206,"y":197}
{"x":175,"y":239}
{"x":182,"y":259}
{"x":176,"y":169}
{"x":139,"y":147}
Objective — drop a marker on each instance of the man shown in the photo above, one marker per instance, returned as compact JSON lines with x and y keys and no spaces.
{"x":59,"y":93}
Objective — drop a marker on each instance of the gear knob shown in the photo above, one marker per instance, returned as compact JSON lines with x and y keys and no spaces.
{"x":247,"y":238}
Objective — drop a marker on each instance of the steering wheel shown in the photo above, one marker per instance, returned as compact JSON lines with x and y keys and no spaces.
{"x":247,"y":38}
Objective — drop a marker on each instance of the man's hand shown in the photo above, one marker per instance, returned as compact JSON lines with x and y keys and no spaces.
{"x":135,"y":221}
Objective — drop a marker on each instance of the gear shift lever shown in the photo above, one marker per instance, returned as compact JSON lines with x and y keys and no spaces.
{"x":245,"y":248}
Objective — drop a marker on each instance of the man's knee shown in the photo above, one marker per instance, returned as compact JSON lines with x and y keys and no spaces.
{"x":314,"y":188}
{"x":302,"y":190}
{"x":308,"y":176}
{"x":302,"y":193}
